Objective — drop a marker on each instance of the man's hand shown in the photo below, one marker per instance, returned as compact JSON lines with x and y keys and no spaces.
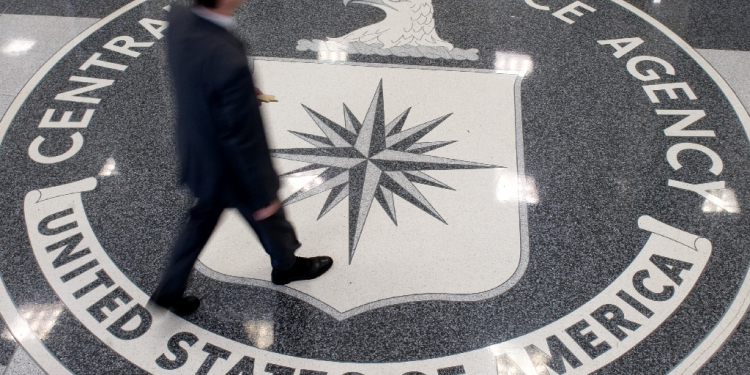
{"x":266,"y":212}
{"x":258,"y":92}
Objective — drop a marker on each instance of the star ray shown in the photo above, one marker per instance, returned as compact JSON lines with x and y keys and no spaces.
{"x":314,"y":140}
{"x":338,"y":135}
{"x":363,"y":185}
{"x":385,"y":198}
{"x":371,"y":137}
{"x":308,"y":170}
{"x":327,"y":180}
{"x":337,"y":195}
{"x":391,"y":160}
{"x":408,"y":137}
{"x":423,"y":147}
{"x":352,"y":124}
{"x":397,"y":124}
{"x":424,"y":179}
{"x":340,"y":158}
{"x":400,"y":185}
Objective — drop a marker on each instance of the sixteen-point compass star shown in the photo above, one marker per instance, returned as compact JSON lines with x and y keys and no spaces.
{"x":369,"y":161}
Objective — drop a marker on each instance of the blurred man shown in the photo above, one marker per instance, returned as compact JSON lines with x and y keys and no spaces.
{"x":223,"y":152}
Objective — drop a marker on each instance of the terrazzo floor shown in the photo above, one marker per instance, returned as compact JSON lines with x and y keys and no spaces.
{"x":562,"y":188}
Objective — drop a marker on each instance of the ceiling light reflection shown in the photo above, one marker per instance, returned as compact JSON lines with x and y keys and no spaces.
{"x":18,"y":46}
{"x":332,"y":51}
{"x":506,"y":364}
{"x":510,"y":188}
{"x":332,"y":56}
{"x":41,"y":317}
{"x":109,"y":168}
{"x":299,"y":181}
{"x":513,"y":63}
{"x":260,"y":333}
{"x":729,"y":202}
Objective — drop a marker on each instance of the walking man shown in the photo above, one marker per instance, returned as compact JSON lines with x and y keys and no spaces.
{"x":223,"y":152}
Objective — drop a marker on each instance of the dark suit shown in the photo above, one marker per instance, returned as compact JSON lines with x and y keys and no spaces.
{"x":221,"y":144}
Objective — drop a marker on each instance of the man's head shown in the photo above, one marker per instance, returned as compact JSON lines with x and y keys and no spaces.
{"x":225,"y":7}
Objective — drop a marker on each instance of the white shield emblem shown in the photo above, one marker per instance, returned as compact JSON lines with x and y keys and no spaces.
{"x":408,"y":178}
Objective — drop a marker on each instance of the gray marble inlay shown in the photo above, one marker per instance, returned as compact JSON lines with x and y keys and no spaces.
{"x":5,"y":101}
{"x":27,"y":42}
{"x":66,"y":8}
{"x":23,"y":364}
{"x":734,"y":67}
{"x":8,"y":345}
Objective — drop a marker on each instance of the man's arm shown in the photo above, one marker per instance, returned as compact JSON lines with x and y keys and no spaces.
{"x":240,"y":132}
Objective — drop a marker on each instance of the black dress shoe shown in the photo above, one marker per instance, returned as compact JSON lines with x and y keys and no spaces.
{"x":303,"y":269}
{"x":182,"y":306}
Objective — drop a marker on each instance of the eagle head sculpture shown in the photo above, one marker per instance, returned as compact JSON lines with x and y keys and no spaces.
{"x":406,"y":23}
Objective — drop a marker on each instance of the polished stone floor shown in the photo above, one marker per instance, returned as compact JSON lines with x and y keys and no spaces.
{"x":561,"y":188}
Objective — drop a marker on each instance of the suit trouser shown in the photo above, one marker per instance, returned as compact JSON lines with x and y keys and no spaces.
{"x":275,"y":233}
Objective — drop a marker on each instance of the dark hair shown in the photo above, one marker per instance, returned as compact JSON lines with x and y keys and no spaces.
{"x":206,"y":3}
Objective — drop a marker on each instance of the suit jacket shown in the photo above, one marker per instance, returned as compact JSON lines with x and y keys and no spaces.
{"x":221,"y":142}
